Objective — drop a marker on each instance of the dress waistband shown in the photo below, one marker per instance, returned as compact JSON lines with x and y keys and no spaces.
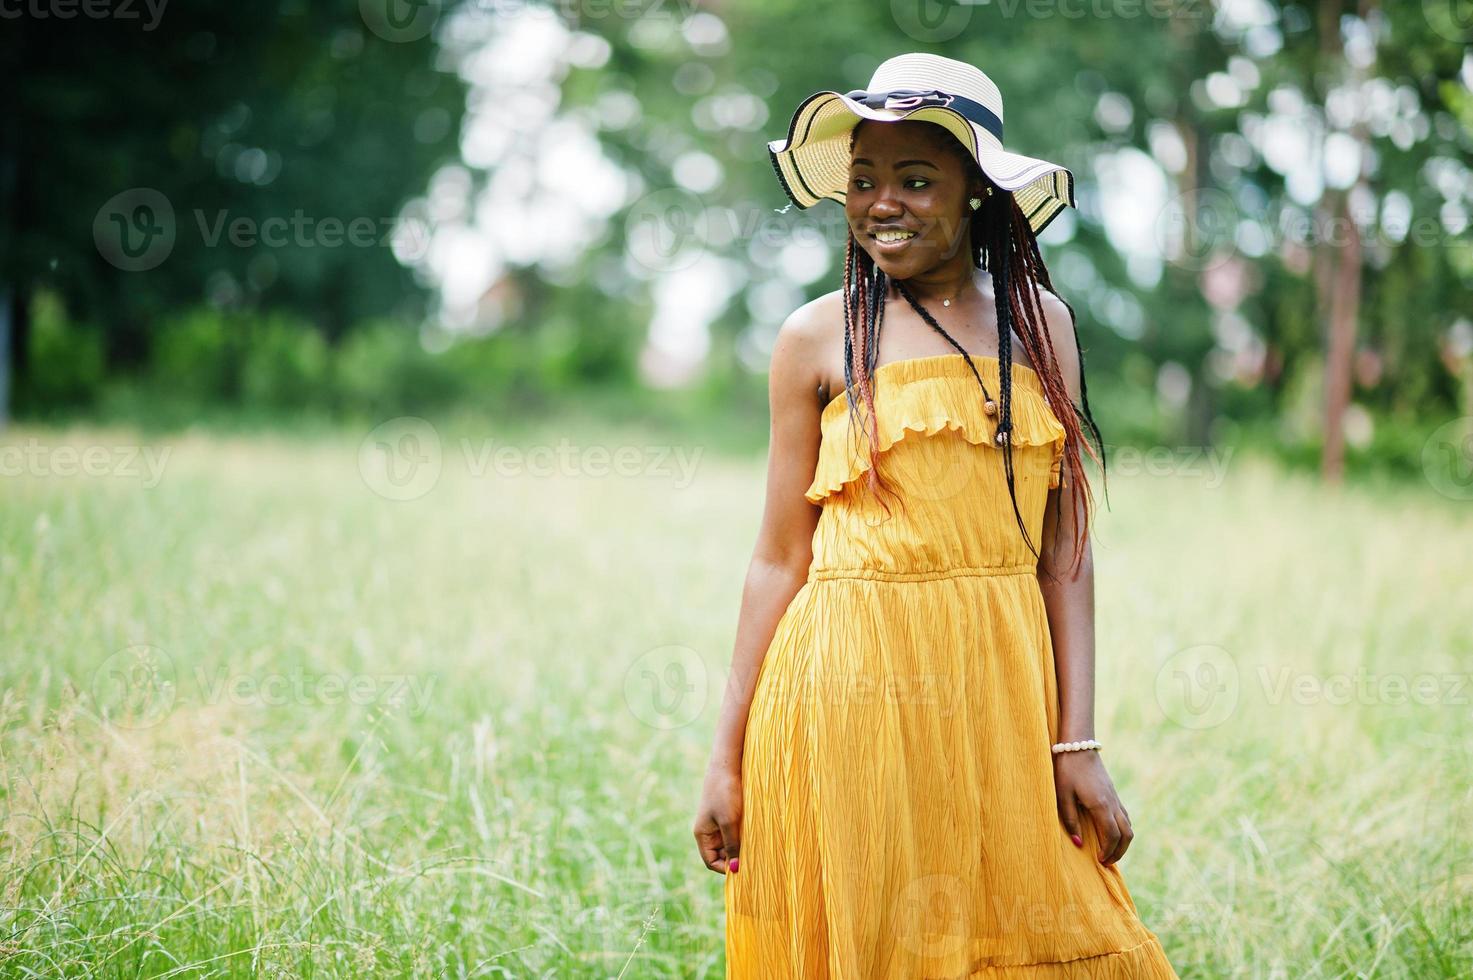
{"x":922,"y":575}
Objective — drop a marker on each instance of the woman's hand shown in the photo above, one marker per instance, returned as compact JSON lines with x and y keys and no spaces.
{"x":719,"y":820}
{"x":1080,"y":782}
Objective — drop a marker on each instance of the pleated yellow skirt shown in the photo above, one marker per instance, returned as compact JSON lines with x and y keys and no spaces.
{"x":898,"y":800}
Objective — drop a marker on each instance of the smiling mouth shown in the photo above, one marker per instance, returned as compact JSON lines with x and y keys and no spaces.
{"x":893,"y":241}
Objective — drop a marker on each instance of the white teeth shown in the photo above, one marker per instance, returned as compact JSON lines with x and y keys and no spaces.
{"x":893,"y":236}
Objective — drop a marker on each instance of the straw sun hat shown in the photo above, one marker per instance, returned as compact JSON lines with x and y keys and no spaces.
{"x":813,"y":162}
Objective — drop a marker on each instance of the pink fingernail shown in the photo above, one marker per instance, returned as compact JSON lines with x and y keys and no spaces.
{"x":732,"y":865}
{"x":1076,"y":840}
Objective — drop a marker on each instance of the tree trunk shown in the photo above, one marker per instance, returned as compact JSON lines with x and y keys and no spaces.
{"x":5,"y":357}
{"x":1201,"y":408}
{"x":1344,"y":311}
{"x":1345,"y":272}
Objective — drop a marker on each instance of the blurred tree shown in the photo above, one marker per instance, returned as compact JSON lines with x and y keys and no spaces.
{"x":1301,"y":145}
{"x":248,"y":156}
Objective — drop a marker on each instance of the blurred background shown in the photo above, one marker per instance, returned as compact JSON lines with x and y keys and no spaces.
{"x":384,"y":404}
{"x":309,"y":210}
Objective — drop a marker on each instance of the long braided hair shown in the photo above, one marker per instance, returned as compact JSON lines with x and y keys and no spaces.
{"x":1000,"y":240}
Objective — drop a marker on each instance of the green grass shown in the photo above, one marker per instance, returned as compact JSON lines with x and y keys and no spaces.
{"x":508,"y":790}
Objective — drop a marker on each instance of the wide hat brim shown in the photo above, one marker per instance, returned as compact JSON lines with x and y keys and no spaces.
{"x":812,"y":163}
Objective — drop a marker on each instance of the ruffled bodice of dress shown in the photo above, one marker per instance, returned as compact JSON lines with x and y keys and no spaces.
{"x":937,"y":449}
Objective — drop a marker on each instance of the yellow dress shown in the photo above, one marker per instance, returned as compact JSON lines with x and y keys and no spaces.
{"x":899,"y":818}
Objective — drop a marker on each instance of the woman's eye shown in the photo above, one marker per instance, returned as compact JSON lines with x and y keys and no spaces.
{"x":863,"y":184}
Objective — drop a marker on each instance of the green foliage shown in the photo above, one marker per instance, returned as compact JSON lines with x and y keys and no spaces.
{"x":286,"y":365}
{"x":67,"y":359}
{"x":290,"y":119}
{"x":352,"y":126}
{"x":196,"y":357}
{"x":383,"y":368}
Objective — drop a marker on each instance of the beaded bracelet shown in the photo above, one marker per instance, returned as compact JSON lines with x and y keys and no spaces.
{"x":1080,"y":746}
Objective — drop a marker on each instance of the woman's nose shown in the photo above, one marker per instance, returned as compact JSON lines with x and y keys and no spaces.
{"x":884,"y":205}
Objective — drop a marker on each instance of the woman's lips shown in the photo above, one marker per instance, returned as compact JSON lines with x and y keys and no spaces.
{"x":895,"y":246}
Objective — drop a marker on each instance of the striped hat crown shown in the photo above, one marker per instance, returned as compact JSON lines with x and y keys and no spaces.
{"x":812,"y":163}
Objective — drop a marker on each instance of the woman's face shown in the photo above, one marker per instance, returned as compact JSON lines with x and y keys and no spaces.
{"x":906,"y":178}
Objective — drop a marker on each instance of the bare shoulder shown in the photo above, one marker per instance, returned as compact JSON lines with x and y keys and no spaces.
{"x":820,"y":320}
{"x":1059,"y":323}
{"x":806,"y":342}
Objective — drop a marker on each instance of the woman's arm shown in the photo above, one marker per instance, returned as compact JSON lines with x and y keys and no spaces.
{"x":1080,"y":779}
{"x":778,"y":569}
